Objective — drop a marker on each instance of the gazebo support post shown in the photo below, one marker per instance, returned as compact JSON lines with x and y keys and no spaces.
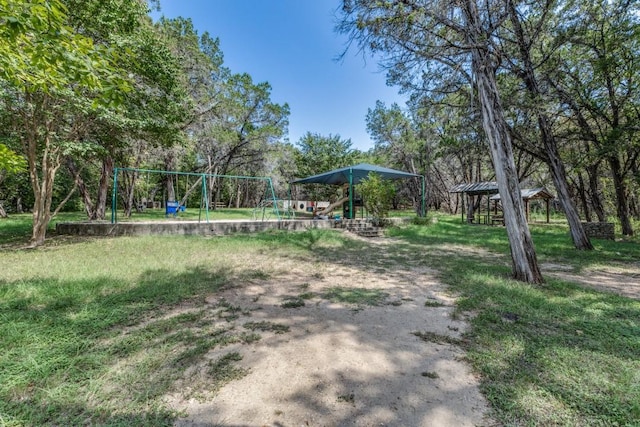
{"x":351,"y":193}
{"x":424,"y":198}
{"x":547,"y":203}
{"x":469,"y":207}
{"x":488,"y":208}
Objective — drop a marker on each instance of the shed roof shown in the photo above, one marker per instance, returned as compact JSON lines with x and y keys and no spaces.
{"x":358,"y":173}
{"x":474,"y":188}
{"x":531,"y":193}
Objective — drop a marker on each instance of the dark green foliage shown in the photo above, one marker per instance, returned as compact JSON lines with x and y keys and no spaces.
{"x":318,"y":154}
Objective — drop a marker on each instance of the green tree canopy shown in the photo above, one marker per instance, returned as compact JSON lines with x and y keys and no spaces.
{"x":10,"y":161}
{"x":318,"y":154}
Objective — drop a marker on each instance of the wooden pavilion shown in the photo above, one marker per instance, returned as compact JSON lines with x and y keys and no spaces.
{"x":476,"y":189}
{"x":528,"y":194}
{"x":490,"y":189}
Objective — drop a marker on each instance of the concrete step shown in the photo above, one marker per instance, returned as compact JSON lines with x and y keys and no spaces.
{"x":367,"y":232}
{"x":361,"y":227}
{"x":370,"y":233}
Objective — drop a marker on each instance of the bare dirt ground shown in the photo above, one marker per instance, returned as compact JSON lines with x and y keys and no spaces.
{"x":622,"y":281}
{"x":394,"y":362}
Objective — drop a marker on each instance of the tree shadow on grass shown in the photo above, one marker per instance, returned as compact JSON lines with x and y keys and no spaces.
{"x":106,"y":356}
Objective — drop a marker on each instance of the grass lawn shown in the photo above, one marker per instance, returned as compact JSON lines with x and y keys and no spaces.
{"x":86,"y":337}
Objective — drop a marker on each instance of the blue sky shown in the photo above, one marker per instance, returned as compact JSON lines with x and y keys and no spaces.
{"x":292,"y":45}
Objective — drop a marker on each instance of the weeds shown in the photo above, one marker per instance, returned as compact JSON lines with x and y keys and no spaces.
{"x":223,"y":371}
{"x":433,"y":303}
{"x":293,"y":302}
{"x":307,"y":296}
{"x":437,"y":338}
{"x":266,"y":326}
{"x":430,"y":374}
{"x":347,"y":398}
{"x":358,"y":296}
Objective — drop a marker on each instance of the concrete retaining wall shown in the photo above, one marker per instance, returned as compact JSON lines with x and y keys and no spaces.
{"x":600,"y":230}
{"x":185,"y":227}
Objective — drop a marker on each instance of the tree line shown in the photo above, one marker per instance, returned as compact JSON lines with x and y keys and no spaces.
{"x":540,"y":83}
{"x":538,"y":92}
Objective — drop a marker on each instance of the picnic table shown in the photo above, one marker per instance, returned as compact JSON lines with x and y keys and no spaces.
{"x":497,"y":219}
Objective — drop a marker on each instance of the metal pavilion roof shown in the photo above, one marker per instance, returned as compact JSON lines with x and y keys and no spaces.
{"x":357,"y":172}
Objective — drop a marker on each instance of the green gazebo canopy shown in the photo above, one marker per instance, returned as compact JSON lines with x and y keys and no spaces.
{"x":353,"y":175}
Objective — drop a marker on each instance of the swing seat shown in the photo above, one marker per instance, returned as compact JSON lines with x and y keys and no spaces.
{"x":172,"y":208}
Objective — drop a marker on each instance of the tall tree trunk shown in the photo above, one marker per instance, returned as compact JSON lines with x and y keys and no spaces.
{"x":106,"y":175}
{"x":635,"y":169}
{"x":97,"y":211}
{"x":3,"y":213}
{"x":622,"y":204}
{"x":578,"y":234}
{"x":129,"y":179}
{"x":44,"y":157}
{"x":169,"y":165}
{"x":523,"y":255}
{"x":82,"y":188}
{"x":582,"y":194}
{"x":42,"y":186}
{"x":40,"y":149}
{"x":552,"y":156}
{"x":633,"y":207}
{"x":470,"y":212}
{"x":238,"y":193}
{"x":594,"y":192}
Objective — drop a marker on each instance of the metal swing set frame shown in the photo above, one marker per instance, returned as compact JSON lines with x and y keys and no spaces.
{"x":204,"y":199}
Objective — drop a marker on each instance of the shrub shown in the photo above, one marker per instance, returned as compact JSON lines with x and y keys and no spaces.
{"x":377,"y":195}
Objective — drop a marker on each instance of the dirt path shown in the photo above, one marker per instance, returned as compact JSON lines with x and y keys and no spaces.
{"x":621,"y":281}
{"x":364,"y":346}
{"x":345,"y":364}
